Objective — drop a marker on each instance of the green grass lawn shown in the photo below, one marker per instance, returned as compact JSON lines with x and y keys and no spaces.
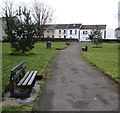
{"x":36,"y":61}
{"x":105,"y":58}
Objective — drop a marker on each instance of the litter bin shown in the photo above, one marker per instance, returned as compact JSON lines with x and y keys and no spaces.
{"x":85,"y":48}
{"x":67,"y":43}
{"x":48,"y":45}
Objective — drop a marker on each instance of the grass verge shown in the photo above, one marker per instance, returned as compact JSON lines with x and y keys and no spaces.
{"x":15,"y":108}
{"x":104,"y":58}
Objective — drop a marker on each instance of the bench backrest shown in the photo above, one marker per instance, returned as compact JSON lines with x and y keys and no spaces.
{"x":17,"y":72}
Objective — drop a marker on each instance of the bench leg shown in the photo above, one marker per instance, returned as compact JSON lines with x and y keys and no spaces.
{"x":22,"y":94}
{"x":11,"y":86}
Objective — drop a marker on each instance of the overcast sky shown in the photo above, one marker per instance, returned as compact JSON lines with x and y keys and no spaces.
{"x":83,"y":11}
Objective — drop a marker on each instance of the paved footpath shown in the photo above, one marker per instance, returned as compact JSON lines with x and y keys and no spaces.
{"x":75,"y":85}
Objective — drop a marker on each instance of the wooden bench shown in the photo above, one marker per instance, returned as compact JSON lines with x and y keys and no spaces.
{"x":21,"y":82}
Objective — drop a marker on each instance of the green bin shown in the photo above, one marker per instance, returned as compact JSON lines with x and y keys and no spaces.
{"x":48,"y":45}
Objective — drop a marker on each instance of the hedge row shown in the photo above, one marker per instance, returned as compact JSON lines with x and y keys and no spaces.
{"x":111,"y":40}
{"x":55,"y":40}
{"x":60,"y":39}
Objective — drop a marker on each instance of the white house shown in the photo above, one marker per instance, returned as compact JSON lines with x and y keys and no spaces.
{"x":77,"y":31}
{"x":61,"y":30}
{"x":50,"y":31}
{"x":86,"y":30}
{"x":73,"y":31}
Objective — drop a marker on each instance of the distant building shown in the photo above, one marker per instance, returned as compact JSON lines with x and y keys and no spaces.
{"x":77,"y":31}
{"x":61,"y":30}
{"x":73,"y":31}
{"x":86,"y":30}
{"x":49,"y":32}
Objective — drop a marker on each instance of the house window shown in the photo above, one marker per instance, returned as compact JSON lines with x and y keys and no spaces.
{"x":52,"y":36}
{"x":59,"y":31}
{"x":85,"y":32}
{"x":70,"y":31}
{"x":59,"y":36}
{"x":64,"y":36}
{"x":75,"y":32}
{"x":64,"y":31}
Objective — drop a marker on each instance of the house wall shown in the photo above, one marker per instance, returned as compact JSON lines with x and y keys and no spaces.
{"x":84,"y":34}
{"x":49,"y":33}
{"x":73,"y":35}
{"x":110,"y":33}
{"x":84,"y":37}
{"x":60,"y":35}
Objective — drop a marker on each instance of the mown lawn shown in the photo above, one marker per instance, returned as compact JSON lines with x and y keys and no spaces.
{"x":36,"y":61}
{"x":104,"y":58}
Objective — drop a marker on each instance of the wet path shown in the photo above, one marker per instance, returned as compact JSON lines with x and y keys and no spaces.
{"x":75,"y":85}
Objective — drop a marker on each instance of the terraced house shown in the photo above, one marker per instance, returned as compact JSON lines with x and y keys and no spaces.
{"x":77,"y":31}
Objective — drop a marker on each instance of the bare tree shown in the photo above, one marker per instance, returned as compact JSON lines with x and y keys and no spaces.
{"x":42,"y":15}
{"x":7,"y":8}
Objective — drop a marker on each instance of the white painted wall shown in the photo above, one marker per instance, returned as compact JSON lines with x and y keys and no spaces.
{"x":58,"y":35}
{"x":110,"y":33}
{"x":85,"y":37}
{"x":73,"y":35}
{"x":49,"y":33}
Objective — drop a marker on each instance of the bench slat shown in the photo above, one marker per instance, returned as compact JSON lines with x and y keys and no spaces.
{"x":32,"y":78}
{"x":28,"y":78}
{"x":17,"y":67}
{"x":23,"y":79}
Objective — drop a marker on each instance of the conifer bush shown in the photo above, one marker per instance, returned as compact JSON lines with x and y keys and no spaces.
{"x":21,"y":31}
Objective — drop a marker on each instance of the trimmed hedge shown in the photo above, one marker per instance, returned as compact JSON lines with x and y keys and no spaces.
{"x":55,"y":40}
{"x":111,"y":40}
{"x":60,"y":39}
